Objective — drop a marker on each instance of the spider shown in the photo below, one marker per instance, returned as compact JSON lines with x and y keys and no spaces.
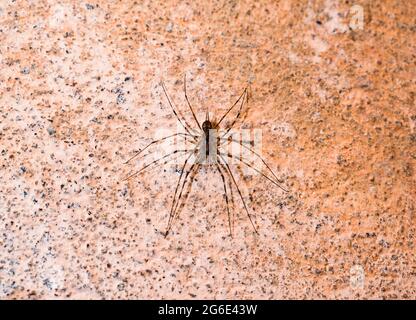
{"x":208,"y":141}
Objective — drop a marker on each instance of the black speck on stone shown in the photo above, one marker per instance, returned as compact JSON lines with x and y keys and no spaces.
{"x":318,"y":22}
{"x":51,"y":131}
{"x":127,"y":78}
{"x":22,"y":169}
{"x":25,"y":70}
{"x":89,"y":6}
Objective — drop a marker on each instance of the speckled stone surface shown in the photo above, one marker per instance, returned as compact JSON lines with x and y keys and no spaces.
{"x":79,"y":93}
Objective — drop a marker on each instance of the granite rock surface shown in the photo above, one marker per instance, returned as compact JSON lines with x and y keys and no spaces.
{"x":331,"y":86}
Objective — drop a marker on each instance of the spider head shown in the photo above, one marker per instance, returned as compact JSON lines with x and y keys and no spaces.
{"x":206,"y":126}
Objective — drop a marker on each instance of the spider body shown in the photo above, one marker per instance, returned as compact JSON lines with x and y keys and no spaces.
{"x":208,"y":141}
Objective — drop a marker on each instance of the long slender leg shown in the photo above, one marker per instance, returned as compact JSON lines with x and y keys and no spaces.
{"x":176,"y":189}
{"x":255,"y":169}
{"x":230,"y":183}
{"x":173,"y":214}
{"x":156,"y":166}
{"x":194,"y":166}
{"x":226,"y":198}
{"x":189,"y":104}
{"x":230,"y":186}
{"x":184,"y":124}
{"x":237,"y":116}
{"x":257,"y":155}
{"x":225,"y":114}
{"x":232,"y":199}
{"x":153,"y":162}
{"x":158,"y":141}
{"x":230,"y":139}
{"x":238,"y":190}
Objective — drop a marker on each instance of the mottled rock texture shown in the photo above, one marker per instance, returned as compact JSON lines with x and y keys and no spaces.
{"x":80,"y":92}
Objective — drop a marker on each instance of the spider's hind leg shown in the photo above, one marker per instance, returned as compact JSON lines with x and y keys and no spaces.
{"x":230,"y":174}
{"x":176,"y":192}
{"x":242,"y":160}
{"x":247,"y":147}
{"x":177,"y":201}
{"x":226,"y":198}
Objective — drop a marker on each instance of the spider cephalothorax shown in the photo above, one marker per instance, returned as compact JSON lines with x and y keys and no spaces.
{"x":208,"y":141}
{"x":206,"y":126}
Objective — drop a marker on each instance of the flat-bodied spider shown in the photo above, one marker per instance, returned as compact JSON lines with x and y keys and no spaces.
{"x":208,"y":143}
